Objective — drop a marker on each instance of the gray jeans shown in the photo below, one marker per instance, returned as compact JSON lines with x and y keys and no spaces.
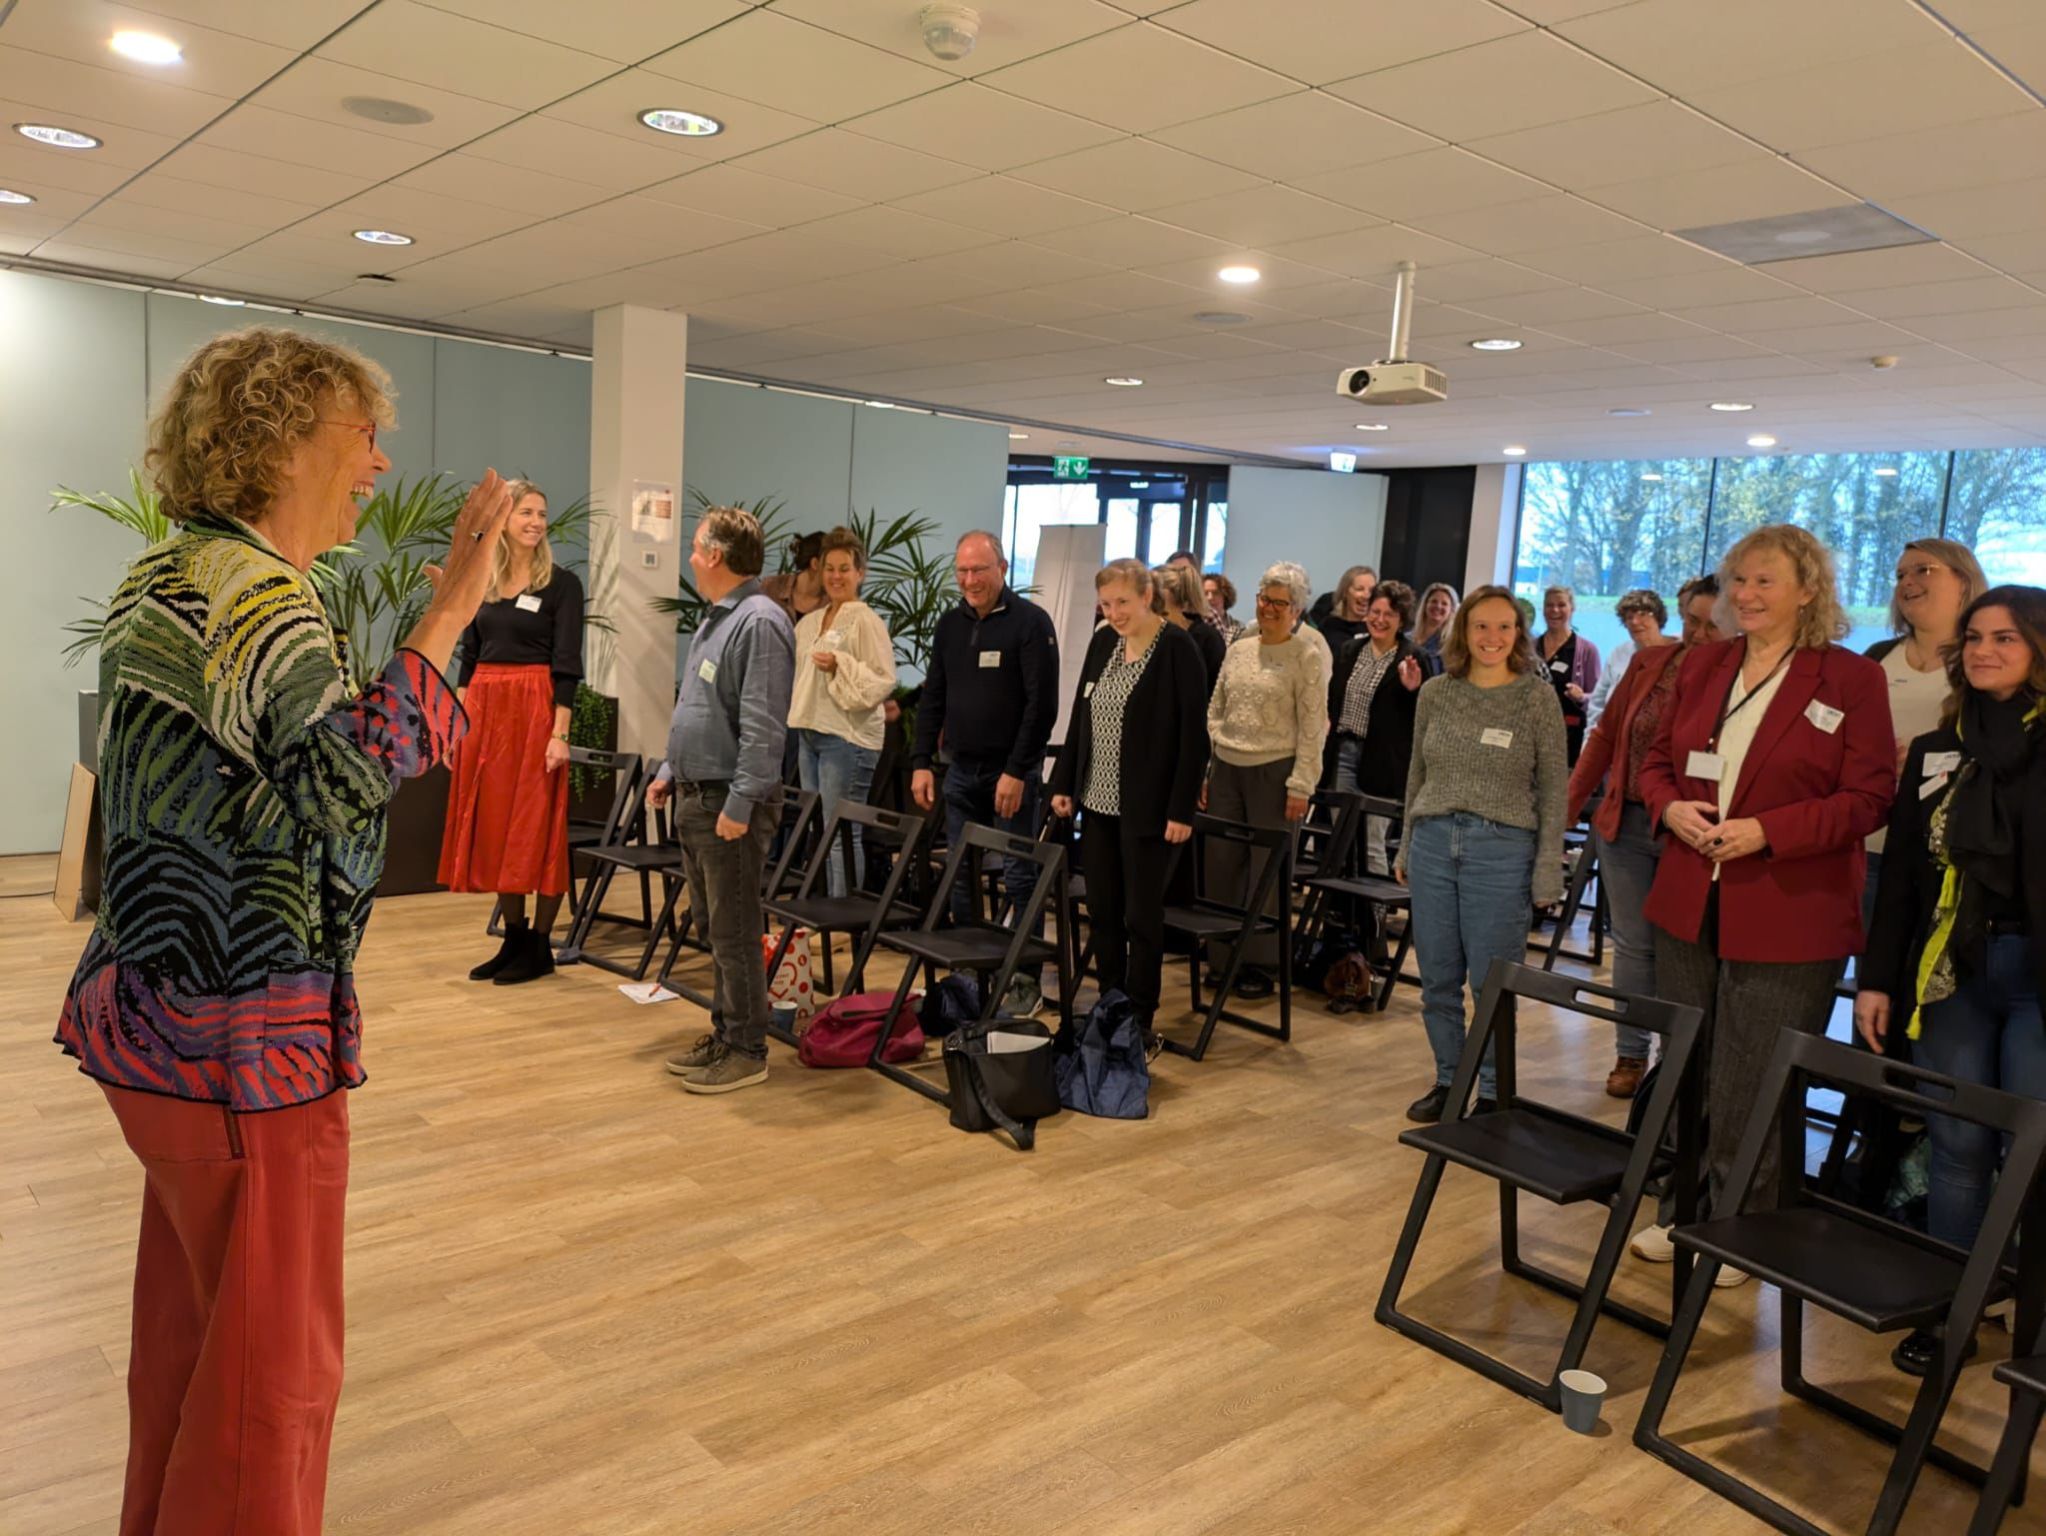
{"x":724,"y":895}
{"x":1626,"y":868}
{"x":1256,"y":796}
{"x":1746,"y":1003}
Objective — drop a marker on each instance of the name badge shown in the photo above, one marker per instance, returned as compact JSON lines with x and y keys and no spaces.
{"x":1938,"y":763}
{"x":529,"y":602}
{"x":707,"y":670}
{"x":1824,"y":716}
{"x":832,"y":640}
{"x":1932,"y":786}
{"x":1087,"y":692}
{"x":1494,"y":737}
{"x":1709,"y":766}
{"x":990,"y":659}
{"x":1560,"y":668}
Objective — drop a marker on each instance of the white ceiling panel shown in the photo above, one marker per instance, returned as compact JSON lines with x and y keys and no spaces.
{"x":1003,"y":205}
{"x":316,"y":88}
{"x":1662,"y":137}
{"x":1756,"y":186}
{"x":121,"y":147}
{"x":1414,"y":186}
{"x":255,"y":130}
{"x":1527,"y":80}
{"x":1304,"y":134}
{"x":1136,"y":175}
{"x":1539,"y":224}
{"x":1136,"y":242}
{"x":734,"y":193}
{"x":1694,"y":45}
{"x":1140,"y":78}
{"x":1907,"y":90}
{"x":863,"y":168}
{"x":896,"y":232}
{"x":229,"y":174}
{"x":1882,"y":170}
{"x":613,"y":106}
{"x":607,"y":162}
{"x":982,"y":127}
{"x":216,"y":63}
{"x":413,"y":41}
{"x":624,"y":34}
{"x":1008,"y":34}
{"x":1322,"y":40}
{"x":1264,"y":217}
{"x":788,"y":64}
{"x":507,"y":186}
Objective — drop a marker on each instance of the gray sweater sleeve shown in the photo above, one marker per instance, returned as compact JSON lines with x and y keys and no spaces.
{"x":1552,"y":782}
{"x":1417,"y":765}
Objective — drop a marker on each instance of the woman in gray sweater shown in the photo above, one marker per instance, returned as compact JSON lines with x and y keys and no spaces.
{"x":1484,"y":821}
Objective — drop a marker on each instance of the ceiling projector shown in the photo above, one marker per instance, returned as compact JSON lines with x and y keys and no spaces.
{"x":1396,"y":381}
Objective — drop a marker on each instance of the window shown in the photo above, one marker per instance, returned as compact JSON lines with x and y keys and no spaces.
{"x":1603,"y":527}
{"x":1148,"y":511}
{"x":1033,"y":508}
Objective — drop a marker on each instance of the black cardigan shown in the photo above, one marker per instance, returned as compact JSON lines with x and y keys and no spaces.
{"x":1213,"y":648}
{"x":1165,"y":733}
{"x":1907,"y":892}
{"x":1389,"y":745}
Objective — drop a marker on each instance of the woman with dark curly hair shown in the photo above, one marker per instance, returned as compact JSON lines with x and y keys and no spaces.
{"x":244,"y":786}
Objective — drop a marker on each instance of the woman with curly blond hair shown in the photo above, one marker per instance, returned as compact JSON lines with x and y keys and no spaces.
{"x":1772,"y":762}
{"x":244,"y":787}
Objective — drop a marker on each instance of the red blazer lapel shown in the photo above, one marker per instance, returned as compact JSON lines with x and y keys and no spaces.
{"x":1800,"y":682}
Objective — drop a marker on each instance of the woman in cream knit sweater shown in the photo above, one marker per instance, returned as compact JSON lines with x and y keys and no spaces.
{"x":845,"y":673}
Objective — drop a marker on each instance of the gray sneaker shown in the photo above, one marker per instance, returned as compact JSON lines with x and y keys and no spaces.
{"x":696,"y":1058}
{"x":726,"y":1070}
{"x":1024,"y":997}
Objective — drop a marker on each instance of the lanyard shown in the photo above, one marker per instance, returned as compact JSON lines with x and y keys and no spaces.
{"x":1728,"y":709}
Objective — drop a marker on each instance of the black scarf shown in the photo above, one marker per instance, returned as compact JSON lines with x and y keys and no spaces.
{"x":1983,"y":821}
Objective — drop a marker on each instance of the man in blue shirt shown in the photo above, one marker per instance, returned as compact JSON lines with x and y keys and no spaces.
{"x":724,"y":771}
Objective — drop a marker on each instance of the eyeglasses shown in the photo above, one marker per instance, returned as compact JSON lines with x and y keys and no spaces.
{"x":1274,"y":603}
{"x":353,"y":426}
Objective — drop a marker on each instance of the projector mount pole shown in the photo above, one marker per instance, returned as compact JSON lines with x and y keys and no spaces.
{"x":1402,"y":312}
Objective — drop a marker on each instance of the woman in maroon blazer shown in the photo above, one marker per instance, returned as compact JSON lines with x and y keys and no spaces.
{"x":1772,"y":764}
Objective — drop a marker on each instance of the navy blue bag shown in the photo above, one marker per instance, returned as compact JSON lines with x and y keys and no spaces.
{"x":952,"y":1002}
{"x":1104,"y":1071}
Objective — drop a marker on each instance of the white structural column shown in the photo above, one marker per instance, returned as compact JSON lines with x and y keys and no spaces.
{"x":1495,"y":516}
{"x":638,"y":374}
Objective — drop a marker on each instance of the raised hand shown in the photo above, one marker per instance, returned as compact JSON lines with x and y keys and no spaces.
{"x":462,"y":582}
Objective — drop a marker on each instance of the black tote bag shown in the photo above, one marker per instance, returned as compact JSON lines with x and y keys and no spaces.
{"x":1000,"y":1078}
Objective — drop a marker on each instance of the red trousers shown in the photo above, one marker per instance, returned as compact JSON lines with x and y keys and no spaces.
{"x":235,"y":1368}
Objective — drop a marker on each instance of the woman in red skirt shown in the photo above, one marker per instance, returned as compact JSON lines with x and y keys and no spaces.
{"x":507,"y":828}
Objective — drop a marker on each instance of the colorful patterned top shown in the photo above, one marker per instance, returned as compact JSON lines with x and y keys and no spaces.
{"x":242,"y":795}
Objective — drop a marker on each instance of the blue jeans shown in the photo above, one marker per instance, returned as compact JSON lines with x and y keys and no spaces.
{"x":1626,"y":869}
{"x":1988,"y":1032}
{"x":1473,"y":892}
{"x":1349,"y":754}
{"x":970,"y":796}
{"x":838,"y":770}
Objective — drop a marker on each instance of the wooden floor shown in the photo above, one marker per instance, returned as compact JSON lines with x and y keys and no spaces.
{"x":583,"y":1302}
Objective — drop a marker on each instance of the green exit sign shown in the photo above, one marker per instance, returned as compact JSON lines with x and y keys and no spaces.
{"x":1065,"y":467}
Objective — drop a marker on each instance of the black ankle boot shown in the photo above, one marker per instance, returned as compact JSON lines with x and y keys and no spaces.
{"x":534,"y":960}
{"x":507,"y":952}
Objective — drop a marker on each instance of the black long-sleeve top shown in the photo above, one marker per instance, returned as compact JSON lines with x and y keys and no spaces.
{"x":539,"y":629}
{"x":992,"y":688}
{"x":1164,"y":756}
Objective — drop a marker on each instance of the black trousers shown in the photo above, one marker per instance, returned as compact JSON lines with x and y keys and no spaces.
{"x":1126,"y":878}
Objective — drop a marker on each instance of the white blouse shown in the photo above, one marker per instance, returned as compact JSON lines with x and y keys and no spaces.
{"x":847,"y":702}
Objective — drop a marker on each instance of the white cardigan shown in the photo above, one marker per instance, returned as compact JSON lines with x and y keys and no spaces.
{"x":847,"y":702}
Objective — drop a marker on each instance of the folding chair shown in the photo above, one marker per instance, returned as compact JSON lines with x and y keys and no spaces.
{"x":1875,"y":1273}
{"x":2026,"y":1379}
{"x":630,"y":849}
{"x":1562,"y":1157}
{"x":858,"y":911}
{"x":584,"y":835}
{"x":798,"y":810}
{"x":995,"y":952}
{"x":1232,"y":925}
{"x":1580,"y":868}
{"x":1338,"y":875}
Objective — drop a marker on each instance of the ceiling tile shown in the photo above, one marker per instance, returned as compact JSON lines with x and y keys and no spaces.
{"x":255,"y":130}
{"x":211,"y":166}
{"x":1139,"y":78}
{"x":733,"y":193}
{"x":1512,"y":83}
{"x":1907,"y":302}
{"x":982,"y":127}
{"x":1471,"y":282}
{"x":613,"y":106}
{"x":781,"y":62}
{"x":216,"y":63}
{"x":1760,"y":320}
{"x":314,"y":87}
{"x":624,"y":34}
{"x":897,"y":232}
{"x":2022,"y":253}
{"x":1375,"y":252}
{"x":1659,"y":138}
{"x":296,"y":26}
{"x":1726,"y":283}
{"x":412,"y":41}
{"x":33,"y":168}
{"x":1613,"y":261}
{"x":1415,"y":186}
{"x":1693,"y":45}
{"x":1322,"y":40}
{"x":839,"y":161}
{"x":1940,"y":159}
{"x":1134,"y":242}
{"x":1907,"y":90}
{"x":1136,"y":175}
{"x":415,"y":210}
{"x":644,"y":219}
{"x":121,"y":147}
{"x":1756,"y":186}
{"x":510,"y":186}
{"x":1894,"y":267}
{"x":1995,"y":208}
{"x":1264,"y":217}
{"x":1004,"y":206}
{"x":1007,"y":35}
{"x":1278,"y":274}
{"x":1555,"y":305}
{"x":570,"y":151}
{"x":1304,"y":134}
{"x":1541,"y":223}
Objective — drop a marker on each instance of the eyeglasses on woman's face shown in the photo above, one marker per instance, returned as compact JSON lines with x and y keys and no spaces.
{"x":1270,"y":604}
{"x":354,"y":426}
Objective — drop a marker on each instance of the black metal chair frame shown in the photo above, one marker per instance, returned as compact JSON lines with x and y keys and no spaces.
{"x":858,"y":911}
{"x":1335,"y":876}
{"x":1562,"y":1157}
{"x":584,"y":835}
{"x":1583,"y":874}
{"x":1216,"y":921}
{"x":2026,"y":1379}
{"x":1774,"y":1246}
{"x":799,"y":808}
{"x":933,"y":945}
{"x":645,"y":845}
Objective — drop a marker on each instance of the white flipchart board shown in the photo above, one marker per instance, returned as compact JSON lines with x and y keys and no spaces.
{"x":1068,"y":555}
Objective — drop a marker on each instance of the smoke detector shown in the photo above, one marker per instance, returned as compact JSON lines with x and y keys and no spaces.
{"x":949,"y":30}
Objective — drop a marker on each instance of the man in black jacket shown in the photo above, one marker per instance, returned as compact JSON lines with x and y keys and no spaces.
{"x":990,"y":698}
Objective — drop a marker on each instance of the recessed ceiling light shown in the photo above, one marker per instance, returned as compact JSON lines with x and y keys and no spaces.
{"x":1496,"y":344}
{"x":215,"y":298}
{"x":8,"y":195}
{"x":1373,"y":426}
{"x":56,"y":138}
{"x":1886,"y":471}
{"x":145,"y":47}
{"x":1651,"y":475}
{"x":1733,"y":405}
{"x":1019,"y":437}
{"x":382,"y":237}
{"x":1239,"y":274}
{"x":1122,"y":381}
{"x":1513,"y":450}
{"x":1629,"y":410}
{"x":1761,"y":440}
{"x":687,"y":125}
